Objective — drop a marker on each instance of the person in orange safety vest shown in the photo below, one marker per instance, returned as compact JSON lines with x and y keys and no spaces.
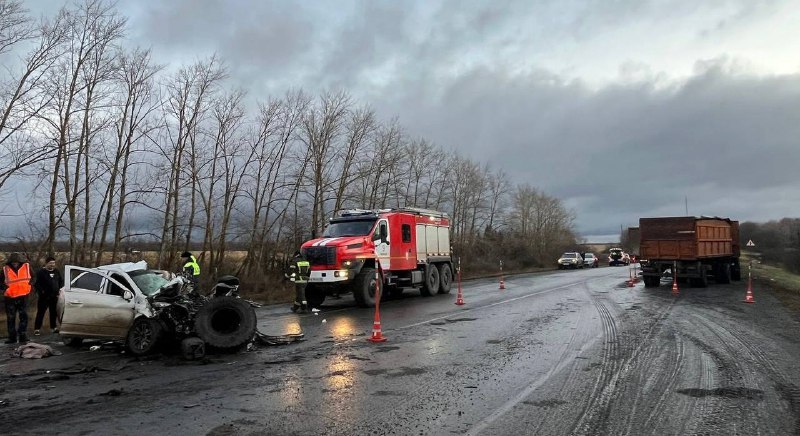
{"x":15,"y":282}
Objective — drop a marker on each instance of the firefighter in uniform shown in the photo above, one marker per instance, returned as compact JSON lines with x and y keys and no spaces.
{"x":15,"y":281}
{"x":298,"y":272}
{"x":191,"y":268}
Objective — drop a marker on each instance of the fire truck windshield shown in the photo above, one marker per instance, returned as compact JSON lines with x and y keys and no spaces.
{"x":349,"y":228}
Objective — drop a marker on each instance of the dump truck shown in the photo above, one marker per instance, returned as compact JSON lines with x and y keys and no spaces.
{"x":694,"y":248}
{"x":409,"y":246}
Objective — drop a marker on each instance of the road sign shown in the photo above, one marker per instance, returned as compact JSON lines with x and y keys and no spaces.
{"x":750,"y":243}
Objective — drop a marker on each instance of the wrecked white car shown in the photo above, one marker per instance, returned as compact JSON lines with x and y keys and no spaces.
{"x":143,"y":308}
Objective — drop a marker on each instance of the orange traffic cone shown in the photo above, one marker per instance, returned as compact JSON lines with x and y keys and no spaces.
{"x":748,"y":297}
{"x":675,"y":290}
{"x":630,"y":281}
{"x":377,"y":334}
{"x":460,"y":296}
{"x":502,"y":282}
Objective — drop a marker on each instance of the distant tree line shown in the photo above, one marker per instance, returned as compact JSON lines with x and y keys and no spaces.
{"x":124,"y":151}
{"x":777,"y":242}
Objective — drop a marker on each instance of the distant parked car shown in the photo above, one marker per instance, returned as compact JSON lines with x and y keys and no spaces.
{"x":570,"y":260}
{"x":618,"y":257}
{"x":590,"y":260}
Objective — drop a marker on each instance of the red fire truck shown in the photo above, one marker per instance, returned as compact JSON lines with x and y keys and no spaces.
{"x":412,"y":246}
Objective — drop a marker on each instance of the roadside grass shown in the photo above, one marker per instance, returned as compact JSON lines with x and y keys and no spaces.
{"x":785,"y":284}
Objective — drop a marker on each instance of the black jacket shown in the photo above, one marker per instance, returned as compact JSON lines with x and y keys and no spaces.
{"x":47,"y":283}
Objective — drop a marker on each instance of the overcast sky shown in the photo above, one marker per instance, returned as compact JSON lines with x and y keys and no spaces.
{"x":621,"y":108}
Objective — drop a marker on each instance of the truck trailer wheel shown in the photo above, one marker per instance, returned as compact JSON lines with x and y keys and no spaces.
{"x":722,"y":273}
{"x":736,"y":271}
{"x":431,"y":285}
{"x":445,"y":278}
{"x":364,"y":288}
{"x":652,"y":281}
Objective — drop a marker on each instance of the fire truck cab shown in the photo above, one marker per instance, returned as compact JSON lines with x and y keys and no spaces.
{"x":409,"y":246}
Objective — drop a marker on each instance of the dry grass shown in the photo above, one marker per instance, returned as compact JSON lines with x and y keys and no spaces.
{"x":785,"y":284}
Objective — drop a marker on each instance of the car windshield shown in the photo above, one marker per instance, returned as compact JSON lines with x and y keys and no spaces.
{"x":589,"y":256}
{"x":148,"y":281}
{"x":349,"y":228}
{"x":568,"y":255}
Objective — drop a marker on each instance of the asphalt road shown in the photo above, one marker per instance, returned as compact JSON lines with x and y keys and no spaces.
{"x":572,"y":352}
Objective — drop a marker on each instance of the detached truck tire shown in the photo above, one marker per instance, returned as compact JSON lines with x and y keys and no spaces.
{"x":226,"y":323}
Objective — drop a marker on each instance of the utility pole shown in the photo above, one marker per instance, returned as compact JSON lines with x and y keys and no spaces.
{"x":686,"y":203}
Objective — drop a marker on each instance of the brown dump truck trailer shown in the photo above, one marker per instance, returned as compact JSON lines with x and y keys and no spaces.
{"x":700,"y":248}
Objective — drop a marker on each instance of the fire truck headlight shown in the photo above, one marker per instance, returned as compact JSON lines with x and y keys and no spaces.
{"x":347,"y":263}
{"x":342,"y":273}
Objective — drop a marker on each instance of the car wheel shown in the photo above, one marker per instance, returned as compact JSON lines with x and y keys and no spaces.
{"x":226,"y":323}
{"x":193,"y":348}
{"x":143,"y":336}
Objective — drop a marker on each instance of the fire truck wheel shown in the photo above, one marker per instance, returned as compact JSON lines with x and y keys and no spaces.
{"x":364,"y":289}
{"x":314,"y":296}
{"x":431,"y":285}
{"x":445,"y":278}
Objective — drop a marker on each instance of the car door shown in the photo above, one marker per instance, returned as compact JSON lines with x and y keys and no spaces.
{"x":382,"y":240}
{"x":91,"y":308}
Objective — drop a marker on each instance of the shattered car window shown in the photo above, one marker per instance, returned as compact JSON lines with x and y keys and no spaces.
{"x":148,"y":281}
{"x":86,"y":280}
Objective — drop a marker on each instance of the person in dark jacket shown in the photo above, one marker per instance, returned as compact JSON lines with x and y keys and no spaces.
{"x":48,"y":282}
{"x":298,"y":271}
{"x":15,"y":282}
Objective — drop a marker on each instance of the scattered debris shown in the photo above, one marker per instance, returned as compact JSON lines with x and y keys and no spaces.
{"x":263,"y":339}
{"x":94,"y":348}
{"x":189,"y":406}
{"x":324,"y":321}
{"x":112,"y":393}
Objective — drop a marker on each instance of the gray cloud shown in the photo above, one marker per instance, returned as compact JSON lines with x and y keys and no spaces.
{"x":487,"y":79}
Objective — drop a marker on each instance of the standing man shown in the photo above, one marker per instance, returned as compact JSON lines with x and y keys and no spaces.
{"x":15,"y":281}
{"x":299,"y":270}
{"x":191,"y":268}
{"x":47,"y":284}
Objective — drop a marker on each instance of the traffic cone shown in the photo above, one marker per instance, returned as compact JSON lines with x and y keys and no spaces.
{"x":377,"y":334}
{"x":748,"y":297}
{"x":502,"y":282}
{"x":675,"y":290}
{"x":630,"y":281}
{"x":460,"y":296}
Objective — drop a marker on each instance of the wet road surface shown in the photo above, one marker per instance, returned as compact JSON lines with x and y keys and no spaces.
{"x":573,"y":352}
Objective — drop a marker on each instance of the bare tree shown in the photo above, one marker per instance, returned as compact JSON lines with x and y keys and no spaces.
{"x":21,"y":96}
{"x":189,"y":92}
{"x":321,"y":126}
{"x":90,"y":30}
{"x":134,"y":76}
{"x":276,"y":126}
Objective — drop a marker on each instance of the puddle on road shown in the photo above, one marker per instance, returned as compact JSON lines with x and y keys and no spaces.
{"x":734,"y":392}
{"x":494,"y":341}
